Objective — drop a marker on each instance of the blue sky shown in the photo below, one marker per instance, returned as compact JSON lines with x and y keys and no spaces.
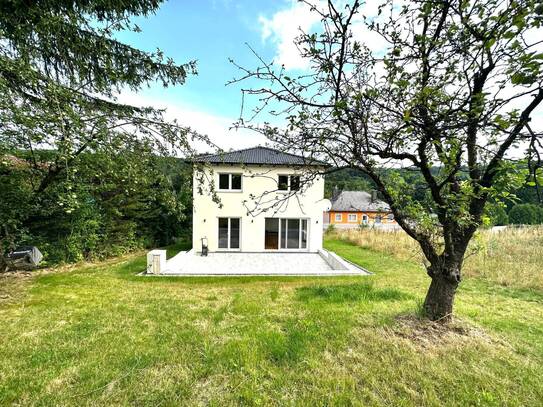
{"x":211,"y":32}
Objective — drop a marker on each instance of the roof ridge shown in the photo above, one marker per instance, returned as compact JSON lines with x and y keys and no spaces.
{"x":275,"y":155}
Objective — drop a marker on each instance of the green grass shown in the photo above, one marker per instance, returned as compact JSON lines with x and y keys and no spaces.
{"x":100,"y":335}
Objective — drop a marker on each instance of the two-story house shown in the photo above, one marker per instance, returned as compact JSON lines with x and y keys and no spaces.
{"x":265,"y":200}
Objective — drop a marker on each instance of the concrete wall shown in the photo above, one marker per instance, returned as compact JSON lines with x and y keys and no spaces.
{"x":261,"y":183}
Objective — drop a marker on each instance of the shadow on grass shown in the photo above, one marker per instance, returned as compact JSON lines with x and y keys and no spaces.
{"x":349,"y":293}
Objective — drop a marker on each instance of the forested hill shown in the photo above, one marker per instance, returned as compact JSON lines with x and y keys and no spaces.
{"x":522,"y":208}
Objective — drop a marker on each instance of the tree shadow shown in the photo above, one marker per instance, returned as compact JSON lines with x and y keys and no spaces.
{"x":350,"y":293}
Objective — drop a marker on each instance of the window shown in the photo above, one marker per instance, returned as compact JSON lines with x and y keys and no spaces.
{"x":338,"y":217}
{"x":352,"y":217}
{"x":294,"y":182}
{"x":285,"y":234}
{"x":288,"y":183}
{"x":282,"y":185}
{"x":230,"y":182}
{"x":229,"y":233}
{"x":365,"y":219}
{"x":378,"y":219}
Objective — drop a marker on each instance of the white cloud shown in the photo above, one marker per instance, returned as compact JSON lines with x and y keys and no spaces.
{"x":283,"y":27}
{"x":217,"y":128}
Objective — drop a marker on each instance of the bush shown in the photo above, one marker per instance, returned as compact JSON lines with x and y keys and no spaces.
{"x":496,"y":215}
{"x":526,"y":214}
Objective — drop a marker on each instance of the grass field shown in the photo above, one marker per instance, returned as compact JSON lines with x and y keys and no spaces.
{"x":99,"y":335}
{"x":512,"y":258}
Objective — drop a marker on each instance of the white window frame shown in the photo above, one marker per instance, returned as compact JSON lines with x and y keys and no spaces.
{"x":280,"y":230}
{"x":289,"y":182}
{"x":229,"y":189}
{"x":349,"y":219}
{"x":228,"y":234}
{"x":340,"y":215}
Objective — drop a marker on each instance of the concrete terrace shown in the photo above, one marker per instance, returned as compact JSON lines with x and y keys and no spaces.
{"x":278,"y":263}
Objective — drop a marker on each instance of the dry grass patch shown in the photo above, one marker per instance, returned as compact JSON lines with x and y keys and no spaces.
{"x":433,"y":335}
{"x":513,"y":257}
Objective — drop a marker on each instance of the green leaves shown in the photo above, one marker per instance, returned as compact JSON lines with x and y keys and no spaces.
{"x":60,"y":69}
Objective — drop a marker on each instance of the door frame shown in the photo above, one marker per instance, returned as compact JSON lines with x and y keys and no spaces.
{"x":285,"y":249}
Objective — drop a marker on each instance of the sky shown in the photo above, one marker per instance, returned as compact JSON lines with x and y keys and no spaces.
{"x":212,"y":32}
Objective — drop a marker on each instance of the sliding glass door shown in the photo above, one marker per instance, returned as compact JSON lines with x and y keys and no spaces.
{"x":285,"y":234}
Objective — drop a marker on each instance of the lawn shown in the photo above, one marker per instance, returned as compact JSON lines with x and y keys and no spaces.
{"x":100,"y":335}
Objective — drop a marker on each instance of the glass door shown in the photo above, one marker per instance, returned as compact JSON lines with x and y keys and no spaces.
{"x":229,"y":232}
{"x":271,"y":234}
{"x":285,"y":234}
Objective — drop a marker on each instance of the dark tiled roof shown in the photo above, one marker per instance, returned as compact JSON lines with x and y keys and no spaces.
{"x":257,"y":156}
{"x":357,"y":201}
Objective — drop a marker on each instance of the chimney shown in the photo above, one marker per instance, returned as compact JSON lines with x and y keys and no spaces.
{"x":335,"y":192}
{"x":373,"y":196}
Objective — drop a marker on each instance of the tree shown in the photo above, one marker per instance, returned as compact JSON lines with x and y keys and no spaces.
{"x":60,"y":69}
{"x":497,"y":216}
{"x":449,"y":98}
{"x":525,"y":214}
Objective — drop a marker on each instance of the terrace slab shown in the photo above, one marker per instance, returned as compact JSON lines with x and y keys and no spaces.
{"x":263,"y":264}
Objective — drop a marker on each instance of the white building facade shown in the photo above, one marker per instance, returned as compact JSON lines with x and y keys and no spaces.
{"x":257,"y":200}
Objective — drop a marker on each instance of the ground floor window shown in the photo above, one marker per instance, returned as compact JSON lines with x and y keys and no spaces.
{"x":229,"y":232}
{"x":338,"y":217}
{"x":365,"y":219}
{"x":352,"y":217}
{"x":281,"y":233}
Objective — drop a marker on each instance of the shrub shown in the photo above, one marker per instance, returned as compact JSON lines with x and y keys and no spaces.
{"x":525,"y":214}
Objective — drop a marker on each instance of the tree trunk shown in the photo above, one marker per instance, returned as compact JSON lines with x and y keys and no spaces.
{"x":438,"y":305}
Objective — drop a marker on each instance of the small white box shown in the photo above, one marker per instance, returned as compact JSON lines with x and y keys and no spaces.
{"x":156,"y":261}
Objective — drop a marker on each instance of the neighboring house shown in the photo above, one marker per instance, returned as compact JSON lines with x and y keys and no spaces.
{"x":352,"y":208}
{"x":265,"y":202}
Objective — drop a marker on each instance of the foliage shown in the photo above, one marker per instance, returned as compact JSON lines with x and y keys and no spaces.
{"x":449,"y":98}
{"x":526,"y":214}
{"x":497,"y":216}
{"x":346,"y":180}
{"x":102,"y":207}
{"x":61,"y":68}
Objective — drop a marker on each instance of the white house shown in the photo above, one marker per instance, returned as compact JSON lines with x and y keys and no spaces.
{"x":265,"y":201}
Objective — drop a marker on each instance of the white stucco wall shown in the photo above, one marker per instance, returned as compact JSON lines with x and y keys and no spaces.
{"x":258,"y":181}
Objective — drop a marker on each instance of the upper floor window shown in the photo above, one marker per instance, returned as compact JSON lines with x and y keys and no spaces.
{"x":230,"y":182}
{"x":288,"y":183}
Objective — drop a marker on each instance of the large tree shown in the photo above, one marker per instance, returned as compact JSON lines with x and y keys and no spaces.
{"x":450,"y":96}
{"x":61,"y":67}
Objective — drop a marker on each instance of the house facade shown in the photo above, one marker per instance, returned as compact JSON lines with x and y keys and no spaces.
{"x":350,"y":209}
{"x":261,"y":200}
